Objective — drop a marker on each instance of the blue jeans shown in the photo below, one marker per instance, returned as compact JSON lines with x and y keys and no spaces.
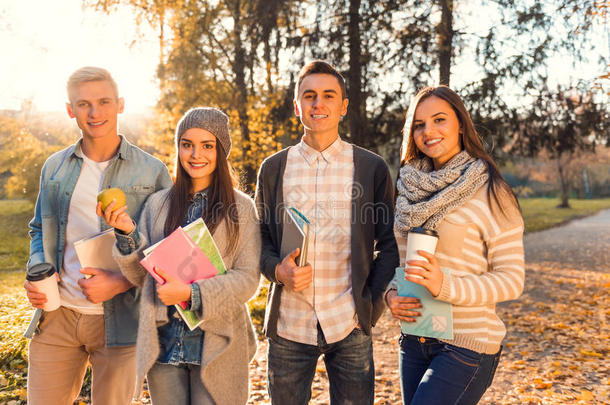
{"x":435,"y":372}
{"x":349,"y":363}
{"x":176,"y":385}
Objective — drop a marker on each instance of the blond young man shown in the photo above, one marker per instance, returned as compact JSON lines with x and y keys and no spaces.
{"x":328,"y":306}
{"x":97,"y":320}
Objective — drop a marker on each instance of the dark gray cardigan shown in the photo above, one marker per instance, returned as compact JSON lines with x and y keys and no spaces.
{"x":371,"y":232}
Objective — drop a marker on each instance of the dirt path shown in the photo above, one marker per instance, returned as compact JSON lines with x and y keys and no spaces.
{"x":557,"y":331}
{"x":580,"y":244}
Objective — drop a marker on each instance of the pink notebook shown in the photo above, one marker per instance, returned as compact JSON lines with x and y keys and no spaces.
{"x":180,"y":256}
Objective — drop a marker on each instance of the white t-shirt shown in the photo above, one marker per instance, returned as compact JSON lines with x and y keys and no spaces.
{"x":83,"y":222}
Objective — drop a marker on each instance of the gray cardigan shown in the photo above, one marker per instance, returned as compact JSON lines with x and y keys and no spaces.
{"x":229,"y":342}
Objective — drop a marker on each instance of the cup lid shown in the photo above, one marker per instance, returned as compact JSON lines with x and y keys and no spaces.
{"x":424,"y":231}
{"x":39,"y":272}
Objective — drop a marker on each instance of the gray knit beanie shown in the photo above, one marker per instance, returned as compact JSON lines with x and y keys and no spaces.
{"x":210,"y":119}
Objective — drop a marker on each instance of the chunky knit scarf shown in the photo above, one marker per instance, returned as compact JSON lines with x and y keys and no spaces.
{"x":425,"y":195}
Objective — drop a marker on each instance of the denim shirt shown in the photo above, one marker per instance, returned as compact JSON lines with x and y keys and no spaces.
{"x":132,"y":170}
{"x":177,"y":344}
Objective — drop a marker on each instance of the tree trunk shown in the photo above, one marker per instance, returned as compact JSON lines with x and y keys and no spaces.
{"x":162,"y":47}
{"x":565,"y":186}
{"x":239,"y":72}
{"x":356,"y":111}
{"x":267,"y":59}
{"x":445,"y":41}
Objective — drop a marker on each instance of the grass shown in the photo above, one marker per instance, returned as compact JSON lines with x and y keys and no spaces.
{"x":15,"y":311}
{"x":14,"y":240}
{"x":15,"y":314}
{"x":542,"y":213}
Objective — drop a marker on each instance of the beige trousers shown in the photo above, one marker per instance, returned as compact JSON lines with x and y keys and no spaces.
{"x":58,"y":357}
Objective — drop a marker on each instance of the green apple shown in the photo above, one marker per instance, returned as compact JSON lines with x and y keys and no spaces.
{"x":106,"y":197}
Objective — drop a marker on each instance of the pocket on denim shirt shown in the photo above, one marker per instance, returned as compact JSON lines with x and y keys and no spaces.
{"x":49,"y":204}
{"x":136,"y":195}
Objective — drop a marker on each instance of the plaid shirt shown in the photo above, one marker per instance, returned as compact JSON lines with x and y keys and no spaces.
{"x":319,"y":184}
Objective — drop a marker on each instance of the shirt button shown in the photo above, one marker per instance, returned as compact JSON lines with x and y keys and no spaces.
{"x":422,"y":339}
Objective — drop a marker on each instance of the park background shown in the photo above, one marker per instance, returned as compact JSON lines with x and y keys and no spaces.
{"x":534,"y":75}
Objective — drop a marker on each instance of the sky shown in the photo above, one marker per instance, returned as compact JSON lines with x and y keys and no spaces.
{"x":42,"y":42}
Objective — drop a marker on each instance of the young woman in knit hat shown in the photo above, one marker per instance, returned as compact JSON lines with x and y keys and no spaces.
{"x":208,"y":365}
{"x":450,"y":184}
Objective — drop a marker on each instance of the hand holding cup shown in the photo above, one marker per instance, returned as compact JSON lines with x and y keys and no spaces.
{"x":421,"y":265}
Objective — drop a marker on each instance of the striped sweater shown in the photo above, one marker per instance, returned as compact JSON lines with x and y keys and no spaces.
{"x":481,"y":252}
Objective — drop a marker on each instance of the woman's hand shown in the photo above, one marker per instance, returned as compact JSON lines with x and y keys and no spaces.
{"x":118,"y":218}
{"x":174,"y":290}
{"x":430,"y":273}
{"x":401,"y":307}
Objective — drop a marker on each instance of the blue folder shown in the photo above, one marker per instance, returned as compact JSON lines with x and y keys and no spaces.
{"x":436,"y":318}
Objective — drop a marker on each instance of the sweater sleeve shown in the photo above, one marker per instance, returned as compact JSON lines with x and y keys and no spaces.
{"x":505,"y":275}
{"x":129,"y":261}
{"x":224,"y":296}
{"x":402,"y":253}
{"x":269,"y":258}
{"x":387,"y":252}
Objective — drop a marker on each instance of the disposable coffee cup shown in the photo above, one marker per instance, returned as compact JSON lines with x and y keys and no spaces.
{"x":420,"y":239}
{"x":42,"y":276}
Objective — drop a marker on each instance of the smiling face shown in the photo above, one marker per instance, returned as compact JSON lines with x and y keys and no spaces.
{"x":436,"y":130}
{"x":320,"y":106}
{"x":197,"y":155}
{"x":95,"y":106}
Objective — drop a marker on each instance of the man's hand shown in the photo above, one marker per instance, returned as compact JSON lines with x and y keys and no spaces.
{"x":174,"y":290}
{"x":401,"y":307}
{"x":36,"y":298}
{"x":118,"y":218}
{"x":103,"y":284}
{"x":292,"y":276}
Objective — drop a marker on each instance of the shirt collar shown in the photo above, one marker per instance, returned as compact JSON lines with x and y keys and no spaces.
{"x":328,"y":154}
{"x":124,"y":151}
{"x":200,"y":195}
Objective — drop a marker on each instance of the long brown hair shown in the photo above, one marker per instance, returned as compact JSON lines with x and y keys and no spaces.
{"x":469,"y":141}
{"x":221,"y":198}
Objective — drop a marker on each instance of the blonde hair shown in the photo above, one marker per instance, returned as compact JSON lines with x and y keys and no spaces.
{"x":90,"y":74}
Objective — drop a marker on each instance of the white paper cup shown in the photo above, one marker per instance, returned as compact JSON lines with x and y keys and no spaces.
{"x":420,"y":239}
{"x":43,"y":277}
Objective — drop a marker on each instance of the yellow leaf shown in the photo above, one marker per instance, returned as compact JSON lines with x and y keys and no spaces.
{"x":541,"y":385}
{"x":590,"y":353}
{"x":586,"y":395}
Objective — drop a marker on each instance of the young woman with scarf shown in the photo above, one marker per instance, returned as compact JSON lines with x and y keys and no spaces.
{"x":450,"y":184}
{"x":208,"y":365}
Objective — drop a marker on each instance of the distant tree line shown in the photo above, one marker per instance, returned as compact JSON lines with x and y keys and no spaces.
{"x":242,"y":56}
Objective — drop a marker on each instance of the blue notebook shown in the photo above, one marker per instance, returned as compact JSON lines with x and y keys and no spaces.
{"x":436,"y":318}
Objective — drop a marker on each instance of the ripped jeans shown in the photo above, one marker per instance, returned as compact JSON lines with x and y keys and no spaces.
{"x":349,"y":363}
{"x":435,"y":372}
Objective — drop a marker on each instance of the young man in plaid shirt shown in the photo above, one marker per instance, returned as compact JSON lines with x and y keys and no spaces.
{"x":329,"y":305}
